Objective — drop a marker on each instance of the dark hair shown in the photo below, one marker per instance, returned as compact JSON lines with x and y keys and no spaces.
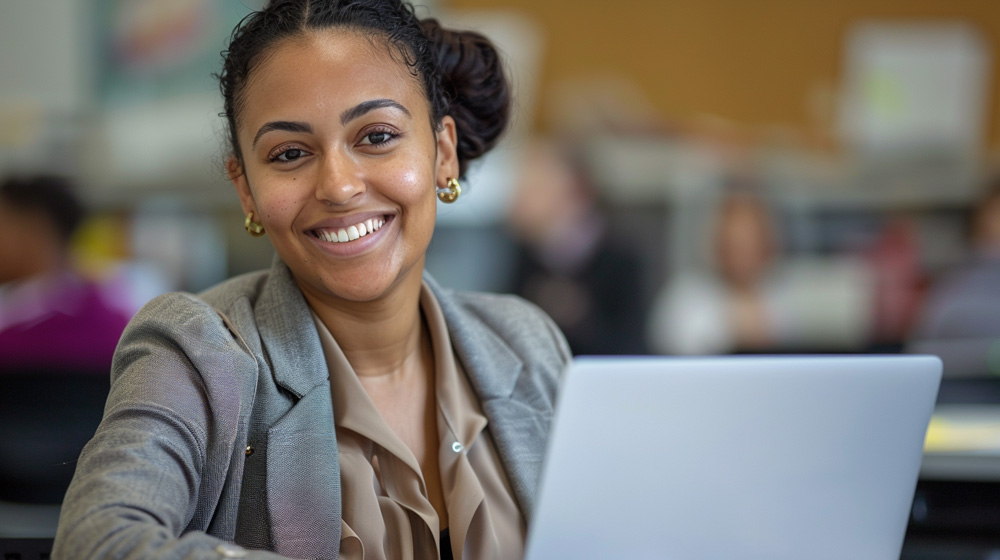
{"x":52,"y":196}
{"x":460,"y":71}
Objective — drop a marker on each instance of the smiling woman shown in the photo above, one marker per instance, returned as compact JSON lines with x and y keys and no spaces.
{"x":326,"y":154}
{"x":342,"y":403}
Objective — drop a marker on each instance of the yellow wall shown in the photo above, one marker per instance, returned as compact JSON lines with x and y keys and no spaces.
{"x":755,"y":62}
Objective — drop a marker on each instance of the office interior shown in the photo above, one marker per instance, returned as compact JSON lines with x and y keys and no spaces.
{"x":686,"y":177}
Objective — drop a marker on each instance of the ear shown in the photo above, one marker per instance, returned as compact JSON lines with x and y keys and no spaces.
{"x":239,"y":179}
{"x":447,"y":152}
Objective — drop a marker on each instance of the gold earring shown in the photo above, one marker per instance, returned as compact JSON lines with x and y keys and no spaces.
{"x":450,"y":193}
{"x":253,"y":228}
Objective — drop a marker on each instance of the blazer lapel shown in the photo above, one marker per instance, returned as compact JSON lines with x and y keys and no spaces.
{"x":303,"y":466}
{"x":288,"y":334}
{"x":518,"y":429}
{"x":303,"y":494}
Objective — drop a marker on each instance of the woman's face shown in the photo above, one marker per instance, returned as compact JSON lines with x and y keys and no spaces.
{"x":340,"y":163}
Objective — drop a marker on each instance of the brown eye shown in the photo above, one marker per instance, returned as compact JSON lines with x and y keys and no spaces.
{"x":289,"y":155}
{"x":378,"y":137}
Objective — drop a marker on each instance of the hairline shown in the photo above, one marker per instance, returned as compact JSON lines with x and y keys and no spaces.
{"x":395,"y":49}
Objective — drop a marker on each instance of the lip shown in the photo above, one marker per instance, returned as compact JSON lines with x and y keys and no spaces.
{"x":357,"y":246}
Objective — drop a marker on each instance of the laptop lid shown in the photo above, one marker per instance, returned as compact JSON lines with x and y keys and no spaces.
{"x":763,"y":457}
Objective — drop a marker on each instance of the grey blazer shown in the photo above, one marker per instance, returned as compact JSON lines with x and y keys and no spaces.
{"x":219,"y":426}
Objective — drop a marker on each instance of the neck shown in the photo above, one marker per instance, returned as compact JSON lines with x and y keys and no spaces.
{"x":380,"y":338}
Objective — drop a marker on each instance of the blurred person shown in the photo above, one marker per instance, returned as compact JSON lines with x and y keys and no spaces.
{"x":567,"y":263}
{"x":733,"y":308}
{"x":960,"y":320}
{"x":899,"y":283}
{"x":753,"y":300}
{"x":52,"y":318}
{"x":341,"y":404}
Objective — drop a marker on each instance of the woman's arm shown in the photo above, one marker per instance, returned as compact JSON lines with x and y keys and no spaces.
{"x":153,"y":478}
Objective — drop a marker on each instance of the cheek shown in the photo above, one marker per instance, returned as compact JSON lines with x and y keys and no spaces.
{"x":412,"y":174}
{"x":275,"y":203}
{"x":273,"y":211}
{"x":414,"y":192}
{"x":414,"y":182}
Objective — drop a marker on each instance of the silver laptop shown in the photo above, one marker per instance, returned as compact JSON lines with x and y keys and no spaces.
{"x":766,"y":457}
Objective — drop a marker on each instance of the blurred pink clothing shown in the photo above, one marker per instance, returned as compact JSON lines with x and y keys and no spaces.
{"x":58,"y":323}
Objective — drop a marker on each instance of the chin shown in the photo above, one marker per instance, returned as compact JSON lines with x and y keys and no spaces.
{"x":360,"y":286}
{"x":359,"y":282}
{"x":358,"y":294}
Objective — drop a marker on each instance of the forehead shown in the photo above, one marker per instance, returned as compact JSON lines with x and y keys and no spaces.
{"x":329,"y":70}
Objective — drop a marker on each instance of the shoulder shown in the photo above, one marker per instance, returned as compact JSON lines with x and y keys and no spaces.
{"x":689,"y":316}
{"x":197,"y":328}
{"x":504,"y":312}
{"x":178,"y":358}
{"x":688,"y":284}
{"x":688,"y":295}
{"x":178,"y":316}
{"x":238,"y":295}
{"x":520,"y":324}
{"x":186,"y":313}
{"x":225,"y":296}
{"x":182,"y":390}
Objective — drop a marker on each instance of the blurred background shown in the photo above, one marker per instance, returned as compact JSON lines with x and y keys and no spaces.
{"x":681,"y":177}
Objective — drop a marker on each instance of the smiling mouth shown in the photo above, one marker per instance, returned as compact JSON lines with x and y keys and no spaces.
{"x":350,"y":233}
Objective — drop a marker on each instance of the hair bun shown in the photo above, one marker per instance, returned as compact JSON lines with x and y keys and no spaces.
{"x":475,"y":84}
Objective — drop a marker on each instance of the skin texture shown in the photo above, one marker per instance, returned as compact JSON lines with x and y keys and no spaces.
{"x":336,"y":130}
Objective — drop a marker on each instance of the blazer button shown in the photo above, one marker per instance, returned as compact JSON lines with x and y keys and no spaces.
{"x":227,"y":550}
{"x":457,"y":447}
{"x":249,"y":450}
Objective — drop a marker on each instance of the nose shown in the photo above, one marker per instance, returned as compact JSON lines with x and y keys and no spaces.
{"x":340,"y":180}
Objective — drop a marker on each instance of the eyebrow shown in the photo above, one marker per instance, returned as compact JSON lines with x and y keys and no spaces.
{"x":347,"y":116}
{"x":369,"y":106}
{"x":287,"y":126}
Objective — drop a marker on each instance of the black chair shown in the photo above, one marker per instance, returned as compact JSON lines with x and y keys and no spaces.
{"x":25,"y":549}
{"x":45,"y":420}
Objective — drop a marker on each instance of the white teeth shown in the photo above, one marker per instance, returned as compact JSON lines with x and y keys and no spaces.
{"x":351,"y":233}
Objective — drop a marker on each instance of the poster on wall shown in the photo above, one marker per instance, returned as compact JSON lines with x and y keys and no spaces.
{"x":915,"y":87}
{"x":151,"y":49}
{"x":159,"y":100}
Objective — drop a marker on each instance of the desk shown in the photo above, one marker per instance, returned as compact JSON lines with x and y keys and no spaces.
{"x":963,"y":443}
{"x":27,"y":530}
{"x":956,"y":507}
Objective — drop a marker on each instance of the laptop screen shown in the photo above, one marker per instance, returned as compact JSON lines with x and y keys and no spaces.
{"x":734,"y":457}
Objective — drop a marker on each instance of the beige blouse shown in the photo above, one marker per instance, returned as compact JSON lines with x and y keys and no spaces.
{"x":386,"y":512}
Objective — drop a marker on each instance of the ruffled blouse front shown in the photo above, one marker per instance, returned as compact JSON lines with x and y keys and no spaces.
{"x":385,"y":509}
